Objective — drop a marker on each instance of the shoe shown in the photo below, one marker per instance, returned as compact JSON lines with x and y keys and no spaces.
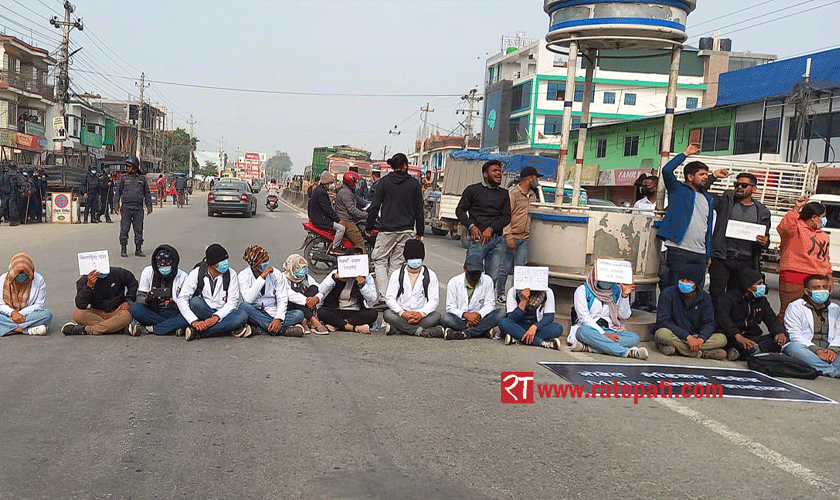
{"x":37,"y":330}
{"x":718,"y":354}
{"x":94,"y":222}
{"x":109,"y":221}
{"x":135,"y":329}
{"x":666,"y":349}
{"x":123,"y":251}
{"x":72,"y":328}
{"x":363,"y":329}
{"x":390,"y":330}
{"x":331,"y":328}
{"x":139,"y":252}
{"x":501,"y":300}
{"x":579,"y":346}
{"x":551,"y":344}
{"x":293,"y":331}
{"x":511,"y":341}
{"x":307,"y":330}
{"x":191,"y":333}
{"x":243,"y":332}
{"x":322,"y":330}
{"x":637,"y":353}
{"x":434,"y":332}
{"x":179,"y":332}
{"x":452,"y":334}
{"x":13,"y":224}
{"x":732,"y":354}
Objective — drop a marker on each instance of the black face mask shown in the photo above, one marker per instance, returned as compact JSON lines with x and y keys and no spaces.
{"x":647,"y":191}
{"x":473,"y":277}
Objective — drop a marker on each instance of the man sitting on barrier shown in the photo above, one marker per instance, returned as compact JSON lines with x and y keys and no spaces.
{"x":471,"y":303}
{"x":813,"y":323}
{"x":413,"y":296}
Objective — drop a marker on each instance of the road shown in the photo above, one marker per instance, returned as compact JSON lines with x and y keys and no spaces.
{"x":355,"y":417}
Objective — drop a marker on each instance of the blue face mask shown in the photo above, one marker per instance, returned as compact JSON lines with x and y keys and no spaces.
{"x":21,"y":278}
{"x":824,"y":221}
{"x":760,"y":291}
{"x":165,"y":270}
{"x":685,"y":287}
{"x":819,"y":296}
{"x":223,"y":266}
{"x":300,"y":272}
{"x":605,"y":285}
{"x":102,"y":275}
{"x":265,"y":264}
{"x":414,"y":263}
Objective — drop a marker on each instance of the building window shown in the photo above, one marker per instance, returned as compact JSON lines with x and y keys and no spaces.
{"x":609,"y":97}
{"x":749,"y":138}
{"x":555,"y":91}
{"x":579,"y":93}
{"x":554,"y":125}
{"x":520,"y":97}
{"x":691,"y":102}
{"x":602,"y":149}
{"x":631,"y":145}
{"x":630,"y":99}
{"x":518,"y":130}
{"x":715,"y":138}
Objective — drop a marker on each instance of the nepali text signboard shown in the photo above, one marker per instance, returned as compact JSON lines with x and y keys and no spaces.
{"x":62,"y":208}
{"x":28,"y":142}
{"x":676,"y":381}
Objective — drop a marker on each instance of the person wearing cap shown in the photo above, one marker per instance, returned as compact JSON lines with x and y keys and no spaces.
{"x":132,"y":194}
{"x":23,"y":298}
{"x":321,"y":212}
{"x":265,"y":296}
{"x":685,"y":318}
{"x":209,"y":299}
{"x":346,"y":300}
{"x":160,"y":284}
{"x":413,"y":296}
{"x":471,"y":304}
{"x":484,"y":210}
{"x":518,"y":231}
{"x":103,"y":301}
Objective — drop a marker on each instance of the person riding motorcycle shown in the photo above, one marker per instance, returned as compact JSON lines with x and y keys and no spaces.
{"x":273,"y":189}
{"x":348,"y":210}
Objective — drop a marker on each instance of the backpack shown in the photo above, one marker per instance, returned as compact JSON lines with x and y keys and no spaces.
{"x":426,"y":280}
{"x":590,"y":298}
{"x":781,"y":365}
{"x":202,"y":272}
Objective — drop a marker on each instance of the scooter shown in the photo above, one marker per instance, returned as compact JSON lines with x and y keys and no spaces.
{"x":271,"y":202}
{"x":316,"y":246}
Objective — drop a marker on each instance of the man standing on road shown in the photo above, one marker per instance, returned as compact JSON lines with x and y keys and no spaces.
{"x":132,"y":193}
{"x":321,"y":213}
{"x":398,"y":203}
{"x":644,"y":300}
{"x":518,"y":231}
{"x":10,"y":189}
{"x":90,"y":191}
{"x":106,"y":194}
{"x":485,"y":210}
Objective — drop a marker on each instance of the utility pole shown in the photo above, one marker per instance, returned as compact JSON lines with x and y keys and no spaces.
{"x":191,"y":123}
{"x":222,"y":156}
{"x":63,"y":76}
{"x":468,"y":126}
{"x":426,"y":112}
{"x":140,"y":114}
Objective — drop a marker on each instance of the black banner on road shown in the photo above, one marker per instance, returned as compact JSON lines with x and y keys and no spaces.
{"x":640,"y":381}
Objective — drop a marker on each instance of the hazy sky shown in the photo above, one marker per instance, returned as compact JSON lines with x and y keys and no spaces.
{"x":427,"y":50}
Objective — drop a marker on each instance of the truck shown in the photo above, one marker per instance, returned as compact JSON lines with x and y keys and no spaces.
{"x":320,"y":155}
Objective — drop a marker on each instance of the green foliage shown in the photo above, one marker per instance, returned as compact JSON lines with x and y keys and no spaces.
{"x":210,"y":168}
{"x":278,"y":164}
{"x":176,"y":150}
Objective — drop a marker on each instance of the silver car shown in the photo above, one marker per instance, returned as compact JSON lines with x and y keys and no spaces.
{"x":231,"y":196}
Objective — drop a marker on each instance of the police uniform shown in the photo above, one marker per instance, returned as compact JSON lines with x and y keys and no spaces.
{"x":24,"y":196}
{"x":105,"y":195}
{"x":90,"y":188}
{"x":39,"y":185}
{"x":132,"y":193}
{"x":12,"y":187}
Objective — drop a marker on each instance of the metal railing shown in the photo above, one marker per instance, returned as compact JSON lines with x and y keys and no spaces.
{"x":28,"y":84}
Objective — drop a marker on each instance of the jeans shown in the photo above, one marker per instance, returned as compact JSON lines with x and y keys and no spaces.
{"x":517,"y":330}
{"x":35,"y":318}
{"x":678,"y":259}
{"x":403,"y":326}
{"x":512,"y":257}
{"x":258,"y":317}
{"x":492,"y":253}
{"x":484,"y":325}
{"x":598,"y":343}
{"x":163,"y":322}
{"x":233,"y":321}
{"x":387,"y":256}
{"x":802,"y":353}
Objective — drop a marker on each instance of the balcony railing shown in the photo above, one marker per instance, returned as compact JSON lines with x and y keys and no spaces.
{"x":28,"y":84}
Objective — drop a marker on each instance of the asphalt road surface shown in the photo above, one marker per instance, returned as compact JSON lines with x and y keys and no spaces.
{"x":349,"y":416}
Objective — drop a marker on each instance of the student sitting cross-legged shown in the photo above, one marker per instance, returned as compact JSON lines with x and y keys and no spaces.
{"x":102,"y":303}
{"x":530,"y":319}
{"x":470,"y":303}
{"x":600,"y":306}
{"x":813,"y":323}
{"x":160,"y":284}
{"x":345,"y":301}
{"x":265,"y":296}
{"x":22,"y":302}
{"x":413,"y":296}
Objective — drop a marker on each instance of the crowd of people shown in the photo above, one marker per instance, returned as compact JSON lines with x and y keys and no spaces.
{"x":22,"y":192}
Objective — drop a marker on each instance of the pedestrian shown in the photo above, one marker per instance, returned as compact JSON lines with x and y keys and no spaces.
{"x":160,"y":185}
{"x":518,"y":232}
{"x":173,"y":192}
{"x":413,"y":296}
{"x":530,"y":319}
{"x":181,"y":188}
{"x":321,"y":212}
{"x":374,"y":184}
{"x":265,"y":296}
{"x":599,"y":307}
{"x":160,"y":284}
{"x":804,"y":250}
{"x":90,"y":192}
{"x":644,"y":300}
{"x":132,"y":193}
{"x":348,"y":210}
{"x":304,"y":295}
{"x":346,"y":300}
{"x":471,"y":304}
{"x":106,"y":196}
{"x":22,"y":302}
{"x":102,"y":303}
{"x":398,"y":203}
{"x":813,"y":325}
{"x":484,"y":210}
{"x":687,"y":226}
{"x":731,"y":255}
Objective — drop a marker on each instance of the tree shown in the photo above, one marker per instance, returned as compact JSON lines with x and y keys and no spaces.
{"x":210,"y":169}
{"x":176,"y":150}
{"x":278,"y":164}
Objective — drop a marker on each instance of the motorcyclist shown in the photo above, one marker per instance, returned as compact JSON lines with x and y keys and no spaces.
{"x":348,"y":210}
{"x":273,"y":189}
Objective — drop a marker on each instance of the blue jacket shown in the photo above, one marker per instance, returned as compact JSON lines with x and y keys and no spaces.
{"x":697,"y":319}
{"x":681,"y":207}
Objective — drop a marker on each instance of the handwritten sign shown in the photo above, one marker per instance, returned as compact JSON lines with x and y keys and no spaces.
{"x":744,"y":230}
{"x":350,"y":266}
{"x":614,"y":271}
{"x":88,"y":261}
{"x":535,"y":278}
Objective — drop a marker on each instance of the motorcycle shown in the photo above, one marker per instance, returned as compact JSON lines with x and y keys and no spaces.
{"x":271,"y":202}
{"x":316,"y":246}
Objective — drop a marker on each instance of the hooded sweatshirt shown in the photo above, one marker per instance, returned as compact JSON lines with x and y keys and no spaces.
{"x":109,"y":292}
{"x":151,"y":278}
{"x":400,"y":200}
{"x":740,"y":312}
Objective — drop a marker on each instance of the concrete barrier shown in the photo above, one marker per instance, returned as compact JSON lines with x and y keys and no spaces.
{"x":296,"y":198}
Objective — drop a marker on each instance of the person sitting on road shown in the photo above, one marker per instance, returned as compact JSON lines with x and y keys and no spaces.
{"x":813,"y":324}
{"x":345,"y":307}
{"x":347,"y":209}
{"x":102,"y":303}
{"x":413,"y":296}
{"x":685,"y":319}
{"x":303,"y":293}
{"x":471,"y":304}
{"x":22,"y":302}
{"x":530,"y":319}
{"x":265,"y":296}
{"x":321,"y":213}
{"x":739,"y":314}
{"x":160,"y":284}
{"x":599,"y":307}
{"x":209,"y":299}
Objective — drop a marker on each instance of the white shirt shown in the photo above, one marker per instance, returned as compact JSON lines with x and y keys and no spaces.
{"x":590,"y":315}
{"x":644,"y":205}
{"x":274,"y":300}
{"x":222,"y":301}
{"x":37,"y":296}
{"x":368,"y":290}
{"x":799,"y":323}
{"x":547,"y":308}
{"x":148,"y":274}
{"x":299,"y":298}
{"x":483,"y":299}
{"x":413,"y":299}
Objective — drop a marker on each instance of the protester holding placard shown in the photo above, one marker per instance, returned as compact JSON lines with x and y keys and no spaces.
{"x":413,"y":296}
{"x":530,"y":319}
{"x":103,"y":300}
{"x":599,"y":307}
{"x":804,"y":250}
{"x":265,"y":296}
{"x":23,"y":298}
{"x":813,"y":323}
{"x":160,"y":284}
{"x":303,"y":293}
{"x":346,"y":298}
{"x":470,"y":304}
{"x":517,"y":234}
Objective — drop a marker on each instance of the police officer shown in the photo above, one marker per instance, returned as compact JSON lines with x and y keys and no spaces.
{"x":5,"y":191}
{"x":39,"y":185}
{"x":132,"y":193}
{"x":90,"y":190}
{"x":25,"y":191}
{"x":11,"y":191}
{"x":106,"y":194}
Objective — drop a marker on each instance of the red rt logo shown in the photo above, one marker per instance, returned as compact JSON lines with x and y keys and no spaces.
{"x":511,"y":391}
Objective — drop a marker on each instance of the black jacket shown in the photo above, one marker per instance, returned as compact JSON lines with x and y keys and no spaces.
{"x":723,"y":210}
{"x":331,"y":300}
{"x":400,"y":200}
{"x":320,"y":209}
{"x":484,"y":207}
{"x":111,"y":291}
{"x":739,"y":312}
{"x":90,"y":184}
{"x":133,"y":191}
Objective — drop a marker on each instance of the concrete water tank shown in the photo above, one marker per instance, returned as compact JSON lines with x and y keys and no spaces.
{"x":617,"y":24}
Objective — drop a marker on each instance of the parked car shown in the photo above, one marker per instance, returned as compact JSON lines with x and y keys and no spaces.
{"x":231,"y":195}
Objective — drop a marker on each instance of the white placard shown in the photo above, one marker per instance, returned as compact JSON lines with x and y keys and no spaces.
{"x":88,"y":261}
{"x":535,"y":278}
{"x":744,"y":230}
{"x":614,"y":271}
{"x":350,"y":266}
